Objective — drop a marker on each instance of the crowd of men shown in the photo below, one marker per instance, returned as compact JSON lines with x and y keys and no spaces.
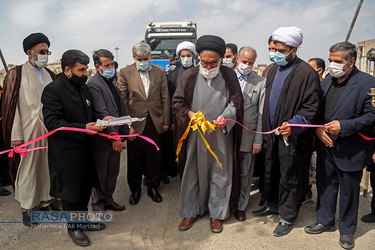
{"x":209,"y":82}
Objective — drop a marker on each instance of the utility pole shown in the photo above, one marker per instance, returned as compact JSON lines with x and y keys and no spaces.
{"x":353,"y":21}
{"x":3,"y":60}
{"x":117,"y":48}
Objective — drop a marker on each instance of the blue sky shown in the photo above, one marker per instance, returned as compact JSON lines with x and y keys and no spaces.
{"x":94,"y":24}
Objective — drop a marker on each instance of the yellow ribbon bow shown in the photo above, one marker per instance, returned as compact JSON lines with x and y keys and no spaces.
{"x":202,"y":123}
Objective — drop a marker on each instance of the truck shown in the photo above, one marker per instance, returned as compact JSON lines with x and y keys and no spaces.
{"x":163,"y":38}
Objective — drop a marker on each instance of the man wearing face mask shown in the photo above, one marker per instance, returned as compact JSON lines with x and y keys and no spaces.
{"x":252,"y":86}
{"x":342,"y":153}
{"x":214,"y":90}
{"x":230,"y":57}
{"x":291,"y":96}
{"x":23,"y":121}
{"x":106,"y":102}
{"x":319,"y":65}
{"x":67,"y":102}
{"x":186,"y":52}
{"x":144,"y":89}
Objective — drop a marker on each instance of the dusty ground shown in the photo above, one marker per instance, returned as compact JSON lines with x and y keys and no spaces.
{"x":150,"y":225}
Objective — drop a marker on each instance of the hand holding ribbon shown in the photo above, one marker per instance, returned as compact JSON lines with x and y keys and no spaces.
{"x":198,"y":121}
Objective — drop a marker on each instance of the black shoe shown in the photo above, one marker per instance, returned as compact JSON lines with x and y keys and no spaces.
{"x":49,"y":208}
{"x":165,"y":179}
{"x":134,"y":198}
{"x":26,"y":217}
{"x":154,"y":194}
{"x":317,"y":228}
{"x":98,"y":207}
{"x":263,"y":212}
{"x":347,"y":241}
{"x":114,"y":207}
{"x":4,"y":191}
{"x":282,"y":229}
{"x":79,"y":238}
{"x":368,"y":218}
{"x":92,"y":226}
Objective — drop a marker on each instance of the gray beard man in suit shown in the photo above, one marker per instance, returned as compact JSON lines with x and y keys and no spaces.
{"x":144,"y":89}
{"x":107,"y":102}
{"x":252,"y":86}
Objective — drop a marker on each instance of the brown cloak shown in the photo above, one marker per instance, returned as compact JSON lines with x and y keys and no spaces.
{"x":181,"y":102}
{"x":12,"y":83}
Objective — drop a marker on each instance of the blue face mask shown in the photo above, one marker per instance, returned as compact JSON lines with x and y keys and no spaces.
{"x":108,"y":73}
{"x":178,"y":63}
{"x":279,"y":58}
{"x":143,"y":66}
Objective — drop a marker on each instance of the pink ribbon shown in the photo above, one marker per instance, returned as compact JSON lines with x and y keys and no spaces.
{"x":23,"y":151}
{"x":273,"y":131}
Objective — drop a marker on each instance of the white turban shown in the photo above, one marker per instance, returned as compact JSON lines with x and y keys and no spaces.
{"x":185,"y":46}
{"x":291,"y":36}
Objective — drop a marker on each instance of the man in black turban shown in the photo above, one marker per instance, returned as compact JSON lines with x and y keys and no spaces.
{"x":34,"y":39}
{"x":214,"y":90}
{"x":209,"y":42}
{"x":23,"y":86}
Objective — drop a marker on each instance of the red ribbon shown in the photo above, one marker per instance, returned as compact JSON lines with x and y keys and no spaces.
{"x":23,"y":151}
{"x":366,"y":137}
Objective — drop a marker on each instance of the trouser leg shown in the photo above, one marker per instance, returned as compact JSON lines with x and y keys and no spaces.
{"x":152,"y":168}
{"x":327,"y":186}
{"x":246,"y":163}
{"x":349,"y":200}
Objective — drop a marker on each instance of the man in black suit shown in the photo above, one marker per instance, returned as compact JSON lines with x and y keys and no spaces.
{"x":342,"y":153}
{"x":67,"y":102}
{"x":106,"y":102}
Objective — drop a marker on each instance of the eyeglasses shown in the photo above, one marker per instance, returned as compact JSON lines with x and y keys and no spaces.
{"x":212,"y":64}
{"x":43,"y":52}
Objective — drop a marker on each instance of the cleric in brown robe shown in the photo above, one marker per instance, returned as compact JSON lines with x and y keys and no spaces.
{"x":23,"y":121}
{"x":214,"y":90}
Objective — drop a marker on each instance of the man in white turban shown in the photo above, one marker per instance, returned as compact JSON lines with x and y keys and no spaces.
{"x":291,"y":36}
{"x":291,"y":96}
{"x":186,"y":52}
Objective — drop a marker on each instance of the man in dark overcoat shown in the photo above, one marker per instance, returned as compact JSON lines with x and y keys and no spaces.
{"x":67,"y":102}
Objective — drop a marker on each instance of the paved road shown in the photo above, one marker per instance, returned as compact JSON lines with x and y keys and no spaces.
{"x":150,"y":225}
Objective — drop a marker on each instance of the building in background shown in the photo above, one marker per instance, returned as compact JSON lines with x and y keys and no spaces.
{"x":366,"y":56}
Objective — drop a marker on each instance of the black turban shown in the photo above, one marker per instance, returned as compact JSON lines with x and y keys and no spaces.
{"x":209,"y":42}
{"x":34,"y":39}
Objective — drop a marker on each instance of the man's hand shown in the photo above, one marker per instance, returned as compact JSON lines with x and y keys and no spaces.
{"x":191,"y":114}
{"x":373,"y":157}
{"x":131,"y":132}
{"x":165,"y":128}
{"x":220,"y":122}
{"x":256,"y":149}
{"x":172,"y":127}
{"x":91,"y":126}
{"x":322,"y":135}
{"x":16,"y":143}
{"x":333,"y":127}
{"x":117,"y":146}
{"x":285,"y":130}
{"x":108,"y":117}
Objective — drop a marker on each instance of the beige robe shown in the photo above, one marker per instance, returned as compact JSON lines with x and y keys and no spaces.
{"x":32,"y":184}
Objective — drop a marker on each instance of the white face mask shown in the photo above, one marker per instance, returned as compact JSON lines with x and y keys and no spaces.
{"x":228,"y":62}
{"x":186,"y":61}
{"x":41,"y":62}
{"x":244,"y":69}
{"x":209,"y":73}
{"x":335,"y":69}
{"x":172,"y":67}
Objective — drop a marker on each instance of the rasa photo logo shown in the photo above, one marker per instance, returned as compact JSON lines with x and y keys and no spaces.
{"x":71,"y":217}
